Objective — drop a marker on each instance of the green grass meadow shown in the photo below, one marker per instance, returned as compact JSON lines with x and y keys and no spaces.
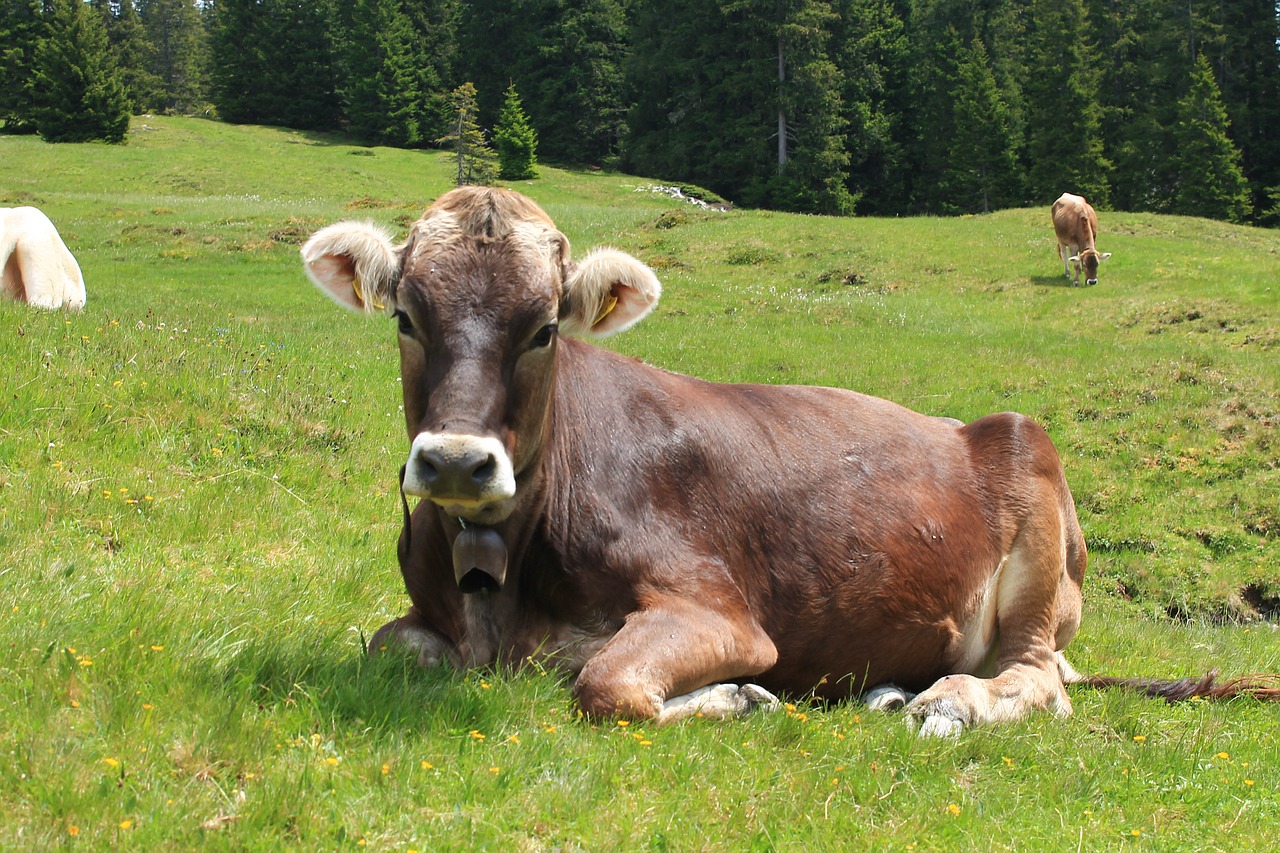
{"x":198,"y":518}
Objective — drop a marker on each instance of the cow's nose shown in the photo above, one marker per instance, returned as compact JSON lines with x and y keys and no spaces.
{"x":453,"y":468}
{"x":455,"y":473}
{"x":1090,"y":281}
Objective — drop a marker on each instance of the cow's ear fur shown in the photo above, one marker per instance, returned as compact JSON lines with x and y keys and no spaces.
{"x":356,"y":265}
{"x":607,"y":292}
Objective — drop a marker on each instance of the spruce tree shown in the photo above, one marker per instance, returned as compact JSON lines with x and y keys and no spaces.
{"x":742,"y":98}
{"x":79,"y":94}
{"x":566,"y":59}
{"x":240,"y":46}
{"x":178,"y":55}
{"x":474,"y":158}
{"x":516,"y":140}
{"x":1064,"y":141}
{"x":301,"y":91}
{"x":870,"y":45}
{"x":22,"y":27}
{"x":982,"y":166}
{"x":132,"y":52}
{"x":1210,"y":180}
{"x":381,"y":77}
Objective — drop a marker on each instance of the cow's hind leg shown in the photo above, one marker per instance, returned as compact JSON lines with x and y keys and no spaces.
{"x":1037,"y":611}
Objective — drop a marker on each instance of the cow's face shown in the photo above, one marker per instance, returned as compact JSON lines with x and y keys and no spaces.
{"x":1088,"y":261}
{"x":481,"y":290}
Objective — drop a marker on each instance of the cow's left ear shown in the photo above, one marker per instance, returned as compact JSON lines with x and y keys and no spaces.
{"x":1104,"y":256}
{"x":355,"y":264}
{"x":607,"y":292}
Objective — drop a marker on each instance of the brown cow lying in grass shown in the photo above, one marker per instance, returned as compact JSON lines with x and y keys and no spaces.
{"x":667,"y":539}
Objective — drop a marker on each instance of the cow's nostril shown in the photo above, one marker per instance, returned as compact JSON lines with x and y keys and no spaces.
{"x":485,"y":471}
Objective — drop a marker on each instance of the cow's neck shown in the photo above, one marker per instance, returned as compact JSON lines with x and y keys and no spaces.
{"x":493,"y":618}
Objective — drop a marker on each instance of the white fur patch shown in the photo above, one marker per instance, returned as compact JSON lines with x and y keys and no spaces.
{"x":499,"y":486}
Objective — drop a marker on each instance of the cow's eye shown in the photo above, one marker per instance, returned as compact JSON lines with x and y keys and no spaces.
{"x":544,"y":336}
{"x":406,"y":325}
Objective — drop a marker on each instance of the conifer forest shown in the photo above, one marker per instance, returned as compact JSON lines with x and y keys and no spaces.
{"x":871,"y":107}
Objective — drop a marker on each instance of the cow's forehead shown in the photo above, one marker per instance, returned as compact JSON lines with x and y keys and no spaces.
{"x":445,"y":249}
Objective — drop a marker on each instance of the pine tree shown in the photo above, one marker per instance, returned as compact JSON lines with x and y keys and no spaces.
{"x":382,"y":77}
{"x":22,"y":27}
{"x":742,"y":98}
{"x":301,"y":90}
{"x":240,"y":45}
{"x":565,"y":57}
{"x":983,"y":172}
{"x":80,"y":95}
{"x":1064,"y":142}
{"x":1210,"y":180}
{"x":178,"y":56}
{"x":131,"y":51}
{"x":870,"y":45}
{"x":475,"y":158}
{"x":516,"y":140}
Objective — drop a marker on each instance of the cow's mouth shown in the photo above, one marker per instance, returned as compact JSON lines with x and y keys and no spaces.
{"x":479,"y":559}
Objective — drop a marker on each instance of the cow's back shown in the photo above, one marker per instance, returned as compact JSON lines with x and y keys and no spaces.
{"x":1074,"y":222}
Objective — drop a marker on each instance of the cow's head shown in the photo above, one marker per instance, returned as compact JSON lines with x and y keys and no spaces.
{"x":481,"y":289}
{"x":1088,"y":261}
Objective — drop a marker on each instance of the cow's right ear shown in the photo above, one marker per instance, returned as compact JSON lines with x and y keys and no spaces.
{"x":356,"y":265}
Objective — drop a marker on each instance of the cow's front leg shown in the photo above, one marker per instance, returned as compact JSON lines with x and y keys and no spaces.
{"x":675,"y":647}
{"x":411,"y":633}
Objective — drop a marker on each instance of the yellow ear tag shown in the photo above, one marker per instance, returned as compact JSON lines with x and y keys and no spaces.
{"x":609,"y":305}
{"x":359,"y":292}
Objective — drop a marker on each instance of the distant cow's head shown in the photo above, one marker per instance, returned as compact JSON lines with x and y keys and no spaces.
{"x":1088,"y":261}
{"x":481,"y":289}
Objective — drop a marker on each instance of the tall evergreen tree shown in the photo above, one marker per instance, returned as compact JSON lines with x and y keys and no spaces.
{"x":79,"y":92}
{"x":383,"y":87}
{"x":132,"y":52}
{"x":1210,"y":180}
{"x":1064,"y":142}
{"x":983,"y":173}
{"x":240,"y":46}
{"x":178,"y":54}
{"x":1247,"y":69}
{"x":565,"y":56}
{"x":715,"y":106}
{"x":22,"y":27}
{"x":475,"y":158}
{"x":515,"y":140}
{"x":301,"y":91}
{"x":870,"y":45}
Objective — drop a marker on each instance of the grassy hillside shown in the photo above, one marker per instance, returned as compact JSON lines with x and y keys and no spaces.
{"x":198,"y":517}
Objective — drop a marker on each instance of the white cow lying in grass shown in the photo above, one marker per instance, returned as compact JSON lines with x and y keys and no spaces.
{"x":37,"y":266}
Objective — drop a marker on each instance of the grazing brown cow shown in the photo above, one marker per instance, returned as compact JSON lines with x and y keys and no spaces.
{"x":35,"y":265}
{"x":656,"y":534}
{"x":1076,"y":225}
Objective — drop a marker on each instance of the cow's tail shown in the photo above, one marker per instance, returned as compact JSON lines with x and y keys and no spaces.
{"x":1262,"y":687}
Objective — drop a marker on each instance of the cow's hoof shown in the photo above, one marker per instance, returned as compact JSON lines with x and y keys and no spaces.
{"x":717,"y":702}
{"x":886,"y":697}
{"x":938,"y":726}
